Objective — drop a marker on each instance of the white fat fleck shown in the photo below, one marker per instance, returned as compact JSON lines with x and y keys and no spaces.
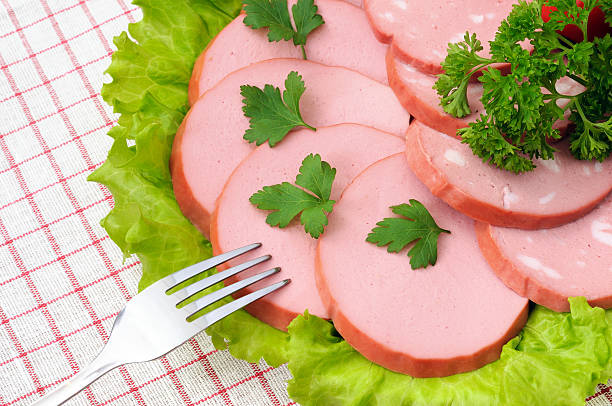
{"x":388,"y":16}
{"x":401,"y":4}
{"x":438,"y":53}
{"x":490,"y":16}
{"x":602,"y":232}
{"x":529,"y":239}
{"x":508,"y":197}
{"x":415,"y":80}
{"x":581,"y":264}
{"x":550,"y":164}
{"x":587,"y":170}
{"x":408,"y":67}
{"x":598,"y":167}
{"x":454,"y":156}
{"x":477,"y":18}
{"x":535,"y":264}
{"x":548,"y":198}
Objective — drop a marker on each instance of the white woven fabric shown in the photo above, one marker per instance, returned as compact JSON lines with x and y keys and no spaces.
{"x":62,"y":280}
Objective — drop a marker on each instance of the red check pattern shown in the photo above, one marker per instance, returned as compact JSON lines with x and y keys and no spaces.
{"x":62,"y":281}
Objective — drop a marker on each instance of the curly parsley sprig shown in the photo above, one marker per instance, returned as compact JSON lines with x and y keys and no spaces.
{"x":521,"y":107}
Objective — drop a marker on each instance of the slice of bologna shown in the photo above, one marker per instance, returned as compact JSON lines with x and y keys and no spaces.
{"x":344,"y":40}
{"x":556,"y":192}
{"x":549,"y":266}
{"x":445,"y":319}
{"x":419,"y":31}
{"x":349,"y":148}
{"x":209,"y":144}
{"x":414,"y":89}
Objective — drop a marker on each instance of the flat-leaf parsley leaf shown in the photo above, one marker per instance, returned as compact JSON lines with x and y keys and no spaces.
{"x":287,"y":201}
{"x":272,"y":116}
{"x":417,"y":224}
{"x":274,"y":15}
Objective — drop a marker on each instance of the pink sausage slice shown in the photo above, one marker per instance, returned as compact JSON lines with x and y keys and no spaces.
{"x":209,"y":144}
{"x":414,"y":90}
{"x":349,"y":148}
{"x":419,"y":31}
{"x":344,"y":40}
{"x":556,"y":192}
{"x":446,"y":319}
{"x":549,"y":266}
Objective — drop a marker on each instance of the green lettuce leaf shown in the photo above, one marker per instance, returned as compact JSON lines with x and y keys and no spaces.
{"x":150,"y":71}
{"x":608,"y":370}
{"x":556,"y":360}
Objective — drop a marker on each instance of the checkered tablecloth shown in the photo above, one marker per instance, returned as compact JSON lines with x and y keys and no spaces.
{"x":62,"y":280}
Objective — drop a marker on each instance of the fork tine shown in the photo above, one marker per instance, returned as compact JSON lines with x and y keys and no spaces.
{"x":180,"y":276}
{"x":215,"y":315}
{"x":217,"y":295}
{"x":206,"y":283}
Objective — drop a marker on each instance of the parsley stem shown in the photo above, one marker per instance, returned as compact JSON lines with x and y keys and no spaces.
{"x":580,"y":112}
{"x":587,"y":122}
{"x":309,"y":127}
{"x":477,"y":68}
{"x":567,"y":41}
{"x":585,"y":28}
{"x":303,"y":51}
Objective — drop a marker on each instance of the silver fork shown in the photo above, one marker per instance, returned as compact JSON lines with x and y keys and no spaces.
{"x":151,"y":325}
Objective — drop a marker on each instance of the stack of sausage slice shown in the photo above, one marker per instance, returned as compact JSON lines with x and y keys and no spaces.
{"x":453,"y":317}
{"x":448,"y":318}
{"x":344,"y":40}
{"x":209,"y":144}
{"x":346,"y":147}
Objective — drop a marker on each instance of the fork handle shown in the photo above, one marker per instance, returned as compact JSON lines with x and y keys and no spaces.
{"x":98,"y":367}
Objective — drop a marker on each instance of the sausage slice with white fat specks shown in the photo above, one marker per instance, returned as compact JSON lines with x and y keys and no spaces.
{"x":414,"y":90}
{"x":549,"y":266}
{"x":554,"y":193}
{"x":419,"y":31}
